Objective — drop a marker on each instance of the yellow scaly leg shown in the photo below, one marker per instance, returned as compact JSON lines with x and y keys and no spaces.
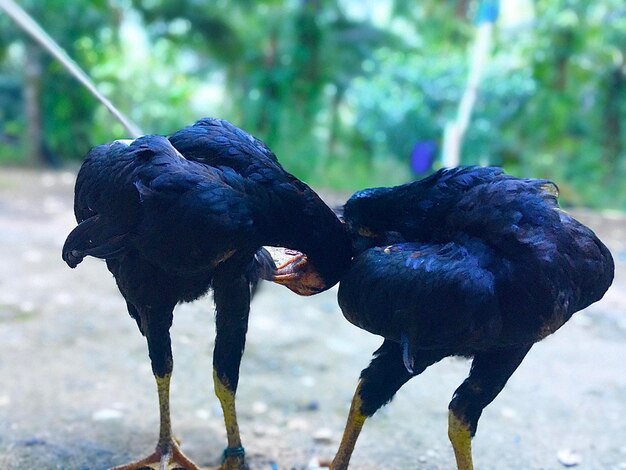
{"x":461,"y":439}
{"x":234,"y":453}
{"x":355,"y":422}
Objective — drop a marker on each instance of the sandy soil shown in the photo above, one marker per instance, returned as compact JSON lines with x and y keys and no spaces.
{"x":77,"y":392}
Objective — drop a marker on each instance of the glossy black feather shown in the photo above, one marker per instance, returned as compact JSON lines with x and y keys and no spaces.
{"x":216,"y":142}
{"x":185,"y":214}
{"x":180,"y":216}
{"x":288,"y":212}
{"x":491,"y":261}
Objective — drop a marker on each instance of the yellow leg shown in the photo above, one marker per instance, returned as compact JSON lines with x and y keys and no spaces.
{"x":165,"y":427}
{"x":356,"y":419}
{"x":167,"y":455}
{"x":234,"y":453}
{"x":461,"y":439}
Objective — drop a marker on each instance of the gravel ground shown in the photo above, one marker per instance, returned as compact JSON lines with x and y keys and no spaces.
{"x":77,"y":391}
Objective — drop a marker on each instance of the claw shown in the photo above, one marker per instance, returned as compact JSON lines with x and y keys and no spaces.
{"x":289,"y":265}
{"x":170,"y":459}
{"x":299,"y":275}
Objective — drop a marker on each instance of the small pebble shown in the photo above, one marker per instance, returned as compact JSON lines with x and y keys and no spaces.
{"x":313,"y":463}
{"x":63,"y":298}
{"x":259,"y":407}
{"x":569,"y":458}
{"x":307,"y":381}
{"x":298,"y":424}
{"x":32,"y":256}
{"x":106,"y":415}
{"x":34,"y":441}
{"x":203,"y":414}
{"x":258,"y":430}
{"x":271,"y":431}
{"x":323,"y":436}
{"x":508,"y":413}
{"x":313,"y":405}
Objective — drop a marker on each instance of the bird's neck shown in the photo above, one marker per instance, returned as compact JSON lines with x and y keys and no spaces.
{"x":303,"y":222}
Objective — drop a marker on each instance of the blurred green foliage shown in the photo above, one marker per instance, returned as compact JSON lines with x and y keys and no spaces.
{"x":341,"y":90}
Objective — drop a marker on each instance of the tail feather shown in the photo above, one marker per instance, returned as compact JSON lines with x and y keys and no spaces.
{"x":92,"y":237}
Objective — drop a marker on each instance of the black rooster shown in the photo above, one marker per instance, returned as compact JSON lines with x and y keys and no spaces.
{"x":467,"y":262}
{"x":171,"y":228}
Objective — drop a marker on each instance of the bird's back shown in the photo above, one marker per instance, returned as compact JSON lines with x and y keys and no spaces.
{"x":146,"y":197}
{"x":218,"y":143}
{"x":289,"y":212}
{"x":491,"y":257}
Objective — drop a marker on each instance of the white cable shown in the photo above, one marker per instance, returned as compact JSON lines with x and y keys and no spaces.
{"x":29,"y":25}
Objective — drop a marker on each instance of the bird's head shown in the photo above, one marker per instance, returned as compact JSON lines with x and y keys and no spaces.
{"x":293,"y":216}
{"x":318,"y":255}
{"x":366,"y":212}
{"x":368,"y":216}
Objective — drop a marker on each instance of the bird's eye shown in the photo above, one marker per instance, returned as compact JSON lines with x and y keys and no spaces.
{"x":366,"y":232}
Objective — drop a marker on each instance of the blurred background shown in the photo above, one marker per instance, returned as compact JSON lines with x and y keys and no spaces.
{"x":348,"y":93}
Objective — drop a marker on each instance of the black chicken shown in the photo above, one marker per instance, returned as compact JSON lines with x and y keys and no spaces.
{"x":467,"y":262}
{"x":170,"y":228}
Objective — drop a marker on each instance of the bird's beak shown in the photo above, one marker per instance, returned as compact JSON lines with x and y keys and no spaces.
{"x":299,"y":275}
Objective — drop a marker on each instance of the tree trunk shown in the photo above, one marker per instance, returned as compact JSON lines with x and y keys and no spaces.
{"x":269,"y":117}
{"x":32,"y":104}
{"x":461,"y":9}
{"x":614,"y":146}
{"x":334,"y":119}
{"x":307,"y":86}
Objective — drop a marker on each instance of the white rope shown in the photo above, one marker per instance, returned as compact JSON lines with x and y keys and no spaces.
{"x":29,"y":25}
{"x":455,"y":130}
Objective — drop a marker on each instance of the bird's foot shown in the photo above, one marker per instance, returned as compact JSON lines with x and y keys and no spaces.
{"x":234,"y":459}
{"x":170,"y":458}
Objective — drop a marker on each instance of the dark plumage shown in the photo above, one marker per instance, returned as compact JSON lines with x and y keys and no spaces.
{"x":467,"y":262}
{"x":172,"y":227}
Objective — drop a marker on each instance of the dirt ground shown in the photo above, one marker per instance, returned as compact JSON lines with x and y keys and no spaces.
{"x":77,"y":392}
